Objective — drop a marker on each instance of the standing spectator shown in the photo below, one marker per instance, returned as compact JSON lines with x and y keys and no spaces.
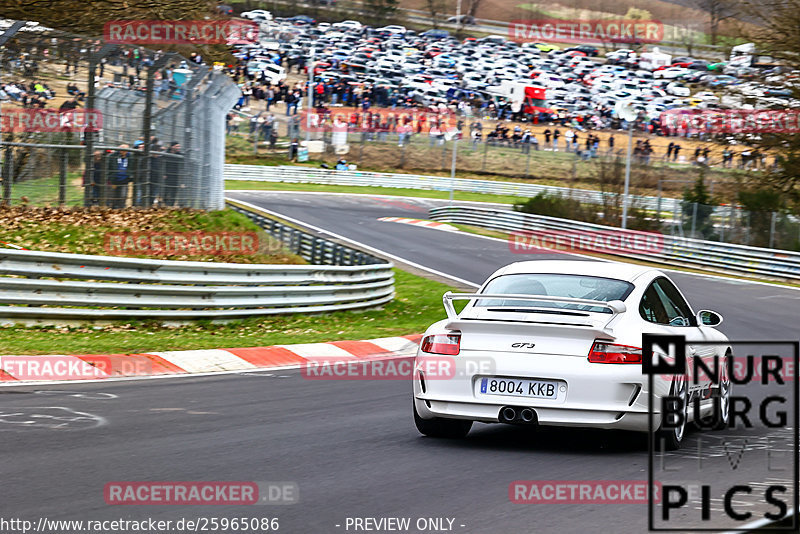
{"x":119,"y":172}
{"x":670,"y":146}
{"x":556,"y":135}
{"x":267,"y":126}
{"x":727,"y":157}
{"x":547,"y":135}
{"x":675,"y":151}
{"x":568,"y":137}
{"x":610,"y":145}
{"x":525,"y":140}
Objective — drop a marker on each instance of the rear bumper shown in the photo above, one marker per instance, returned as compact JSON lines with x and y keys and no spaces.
{"x":490,"y":413}
{"x":611,"y":396}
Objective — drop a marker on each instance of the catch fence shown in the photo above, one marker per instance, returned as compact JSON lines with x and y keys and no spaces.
{"x":159,"y":137}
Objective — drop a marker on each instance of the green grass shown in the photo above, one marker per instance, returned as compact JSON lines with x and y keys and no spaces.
{"x":417,"y":304}
{"x":233,"y":185}
{"x":42,"y":191}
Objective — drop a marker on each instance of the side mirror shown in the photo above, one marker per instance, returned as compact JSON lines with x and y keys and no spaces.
{"x":708,"y":318}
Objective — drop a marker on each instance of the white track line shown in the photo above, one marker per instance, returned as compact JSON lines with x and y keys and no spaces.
{"x":359,"y":244}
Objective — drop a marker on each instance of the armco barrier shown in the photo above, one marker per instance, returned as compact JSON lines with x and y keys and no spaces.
{"x":695,"y":253}
{"x":55,"y":286}
{"x":294,"y":174}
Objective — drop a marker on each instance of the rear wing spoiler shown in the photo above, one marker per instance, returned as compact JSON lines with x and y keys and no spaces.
{"x":616,"y":306}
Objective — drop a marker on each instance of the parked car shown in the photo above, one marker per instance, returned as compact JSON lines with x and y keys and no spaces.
{"x":466,"y":20}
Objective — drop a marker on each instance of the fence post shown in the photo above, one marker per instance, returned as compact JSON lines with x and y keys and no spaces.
{"x":88,"y":154}
{"x":658,"y":202}
{"x":772,"y":229}
{"x":62,"y":178}
{"x":8,"y":160}
{"x":485,"y":149}
{"x":8,"y":175}
{"x":528,"y":162}
{"x":145,"y":192}
{"x":731,"y":222}
{"x":694,"y":218}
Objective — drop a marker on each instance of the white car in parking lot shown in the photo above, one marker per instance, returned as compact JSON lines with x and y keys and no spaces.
{"x":348,"y":25}
{"x":560,"y":343}
{"x":393,"y":28}
{"x":671,"y":73}
{"x":678,"y":89}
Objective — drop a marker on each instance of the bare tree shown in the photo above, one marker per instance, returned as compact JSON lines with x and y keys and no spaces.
{"x":80,"y":16}
{"x":435,"y":8}
{"x":687,"y":33}
{"x":718,"y":11}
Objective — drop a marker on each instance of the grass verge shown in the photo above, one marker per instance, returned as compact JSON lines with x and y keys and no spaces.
{"x":83,"y":231}
{"x":233,"y":185}
{"x":417,"y":304}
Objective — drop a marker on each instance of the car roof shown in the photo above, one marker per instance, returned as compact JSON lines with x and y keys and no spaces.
{"x":606,"y":269}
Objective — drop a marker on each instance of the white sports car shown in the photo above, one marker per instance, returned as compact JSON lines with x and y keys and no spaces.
{"x":559,"y":343}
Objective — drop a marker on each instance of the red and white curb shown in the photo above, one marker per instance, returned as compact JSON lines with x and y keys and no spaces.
{"x":16,"y":370}
{"x":419,"y":222}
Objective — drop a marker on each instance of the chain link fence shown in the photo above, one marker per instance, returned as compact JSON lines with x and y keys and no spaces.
{"x":159,"y":140}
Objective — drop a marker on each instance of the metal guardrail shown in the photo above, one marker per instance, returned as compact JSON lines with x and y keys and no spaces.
{"x":56,"y":286}
{"x":296,"y":174}
{"x":695,"y":253}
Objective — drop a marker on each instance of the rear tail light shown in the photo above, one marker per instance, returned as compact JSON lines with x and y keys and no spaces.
{"x":442,"y":343}
{"x":605,"y":352}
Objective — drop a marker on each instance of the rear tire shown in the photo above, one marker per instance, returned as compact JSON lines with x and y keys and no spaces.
{"x":441,"y":428}
{"x":671,"y":438}
{"x":723,"y":407}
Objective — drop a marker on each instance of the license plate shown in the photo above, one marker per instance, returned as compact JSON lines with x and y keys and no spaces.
{"x":517,"y":387}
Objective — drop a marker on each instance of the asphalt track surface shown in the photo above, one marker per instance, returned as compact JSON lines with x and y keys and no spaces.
{"x":351,"y":445}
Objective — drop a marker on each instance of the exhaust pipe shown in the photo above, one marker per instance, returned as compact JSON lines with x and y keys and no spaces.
{"x":508,"y":414}
{"x":527,"y":415}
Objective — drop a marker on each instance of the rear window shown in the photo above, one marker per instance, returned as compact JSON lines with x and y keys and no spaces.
{"x":555,"y":285}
